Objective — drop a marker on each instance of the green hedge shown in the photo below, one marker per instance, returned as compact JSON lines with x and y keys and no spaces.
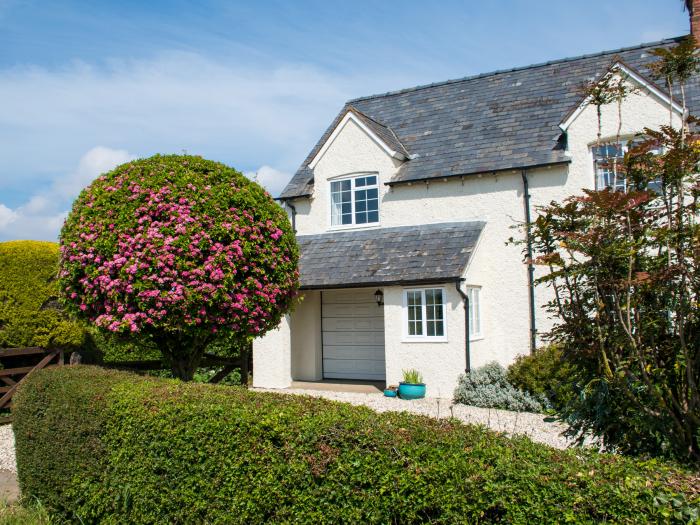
{"x":111,"y":447}
{"x":30,"y":314}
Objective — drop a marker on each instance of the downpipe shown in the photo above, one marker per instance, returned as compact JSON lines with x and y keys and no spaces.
{"x":530,"y":266}
{"x":467,"y":349}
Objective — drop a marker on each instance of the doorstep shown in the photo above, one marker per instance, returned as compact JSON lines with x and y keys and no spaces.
{"x":340,"y":385}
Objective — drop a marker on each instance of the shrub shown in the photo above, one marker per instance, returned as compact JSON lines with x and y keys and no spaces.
{"x":488,"y":387}
{"x":545,"y":373}
{"x":176,"y":252}
{"x":30,"y":314}
{"x":105,"y":446}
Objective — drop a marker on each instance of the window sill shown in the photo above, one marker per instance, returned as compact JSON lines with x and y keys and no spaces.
{"x":371,"y":226}
{"x":476,"y":338}
{"x":425,"y":340}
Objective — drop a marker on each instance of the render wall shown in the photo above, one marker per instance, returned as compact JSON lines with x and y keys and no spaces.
{"x":306,"y":338}
{"x":441,"y":363}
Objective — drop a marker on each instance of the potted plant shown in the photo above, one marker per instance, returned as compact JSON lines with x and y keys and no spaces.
{"x":391,"y":391}
{"x":412,"y":386}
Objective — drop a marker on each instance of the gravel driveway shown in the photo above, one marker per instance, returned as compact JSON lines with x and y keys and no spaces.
{"x":521,"y":423}
{"x":7,"y":449}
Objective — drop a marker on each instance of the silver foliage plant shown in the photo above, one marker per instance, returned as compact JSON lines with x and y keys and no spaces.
{"x":487,"y":387}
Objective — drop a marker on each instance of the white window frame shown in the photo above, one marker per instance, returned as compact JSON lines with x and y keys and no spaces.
{"x":352,"y":178}
{"x":475,"y":318}
{"x":424,"y":338}
{"x":624,"y":148}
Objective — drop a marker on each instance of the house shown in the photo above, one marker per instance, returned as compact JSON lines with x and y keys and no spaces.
{"x":404,"y":207}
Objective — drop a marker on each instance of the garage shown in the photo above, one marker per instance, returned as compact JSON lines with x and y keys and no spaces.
{"x":353,"y":335}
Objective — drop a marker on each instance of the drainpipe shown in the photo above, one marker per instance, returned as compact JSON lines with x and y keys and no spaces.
{"x":294,"y":214}
{"x":530,"y":266}
{"x":467,"y":353}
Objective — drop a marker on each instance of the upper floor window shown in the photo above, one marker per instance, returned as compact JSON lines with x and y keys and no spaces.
{"x":608,"y":160}
{"x":355,"y":201}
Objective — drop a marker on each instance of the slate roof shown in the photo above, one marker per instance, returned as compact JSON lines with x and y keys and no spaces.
{"x":430,"y":253}
{"x":383,"y":132}
{"x":495,"y":121}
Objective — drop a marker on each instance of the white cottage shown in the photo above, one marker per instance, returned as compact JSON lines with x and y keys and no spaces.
{"x":404,"y":207}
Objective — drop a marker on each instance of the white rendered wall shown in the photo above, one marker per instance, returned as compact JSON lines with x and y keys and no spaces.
{"x":306,"y":338}
{"x":272,"y":363}
{"x":441,"y":363}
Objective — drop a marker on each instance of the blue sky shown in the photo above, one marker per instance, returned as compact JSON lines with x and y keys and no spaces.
{"x":87,"y":85}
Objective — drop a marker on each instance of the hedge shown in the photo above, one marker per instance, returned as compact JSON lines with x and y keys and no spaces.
{"x":30,"y":314}
{"x":111,"y":447}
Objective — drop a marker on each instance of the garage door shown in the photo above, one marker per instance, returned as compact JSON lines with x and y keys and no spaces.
{"x":353,"y":335}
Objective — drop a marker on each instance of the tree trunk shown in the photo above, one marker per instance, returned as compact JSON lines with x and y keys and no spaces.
{"x":245,"y":359}
{"x":183,"y":357}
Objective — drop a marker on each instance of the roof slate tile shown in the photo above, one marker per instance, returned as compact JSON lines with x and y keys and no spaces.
{"x":490,"y":122}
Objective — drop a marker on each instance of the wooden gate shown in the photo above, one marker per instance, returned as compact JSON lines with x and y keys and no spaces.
{"x":29,"y":360}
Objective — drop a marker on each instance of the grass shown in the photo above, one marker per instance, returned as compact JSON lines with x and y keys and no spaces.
{"x":23,"y":513}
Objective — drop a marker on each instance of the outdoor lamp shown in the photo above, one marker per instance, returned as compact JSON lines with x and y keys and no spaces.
{"x":379,"y":297}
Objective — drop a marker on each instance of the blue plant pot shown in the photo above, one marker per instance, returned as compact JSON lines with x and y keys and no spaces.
{"x":411,"y":391}
{"x":390,"y":392}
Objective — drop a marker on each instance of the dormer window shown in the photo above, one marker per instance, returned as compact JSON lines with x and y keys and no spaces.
{"x":355,"y":201}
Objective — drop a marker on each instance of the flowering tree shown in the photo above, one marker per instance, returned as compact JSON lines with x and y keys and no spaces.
{"x":178,"y":251}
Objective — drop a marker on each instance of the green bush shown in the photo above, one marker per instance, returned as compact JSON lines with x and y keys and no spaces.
{"x":111,"y":447}
{"x":545,"y":373}
{"x":30,"y":314}
{"x":487,"y":387}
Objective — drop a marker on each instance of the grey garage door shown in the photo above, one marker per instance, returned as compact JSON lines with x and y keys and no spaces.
{"x":353,"y":335}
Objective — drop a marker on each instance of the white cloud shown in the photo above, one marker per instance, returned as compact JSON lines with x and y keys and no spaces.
{"x":96,"y":161}
{"x":7,"y":216}
{"x":247,"y":115}
{"x":42,"y":216}
{"x":273,"y":180}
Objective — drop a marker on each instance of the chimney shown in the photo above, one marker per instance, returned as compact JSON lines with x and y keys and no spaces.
{"x":694,"y":11}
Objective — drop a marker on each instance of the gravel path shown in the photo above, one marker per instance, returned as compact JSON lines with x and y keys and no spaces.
{"x":7,"y":449}
{"x":521,"y":423}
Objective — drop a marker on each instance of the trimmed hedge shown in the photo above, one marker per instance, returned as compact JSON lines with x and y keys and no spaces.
{"x":111,"y":447}
{"x":30,"y":314}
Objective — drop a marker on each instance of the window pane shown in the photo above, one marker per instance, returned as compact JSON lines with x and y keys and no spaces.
{"x":371,"y":180}
{"x":372,"y":193}
{"x":414,"y":301}
{"x":434,"y":313}
{"x":373,"y":216}
{"x":474,"y":312}
{"x":360,"y":181}
{"x":346,"y":185}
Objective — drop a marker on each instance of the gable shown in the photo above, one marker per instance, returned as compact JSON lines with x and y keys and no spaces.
{"x":380,"y":135}
{"x":620,"y":72}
